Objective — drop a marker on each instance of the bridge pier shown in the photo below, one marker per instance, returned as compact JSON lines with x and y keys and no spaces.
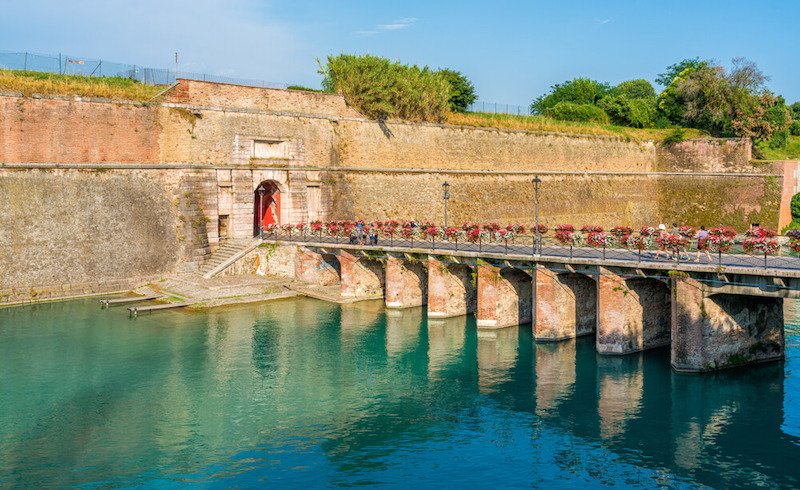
{"x":316,"y":268}
{"x":505,"y":296}
{"x":716,"y":330}
{"x":633,"y":314}
{"x":406,"y":283}
{"x":565,"y":304}
{"x":360,"y":275}
{"x":451,"y":290}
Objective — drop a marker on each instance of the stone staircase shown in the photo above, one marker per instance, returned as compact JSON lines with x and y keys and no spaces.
{"x":227,"y":253}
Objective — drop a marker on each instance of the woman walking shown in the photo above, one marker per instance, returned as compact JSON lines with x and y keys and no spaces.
{"x":702,"y":244}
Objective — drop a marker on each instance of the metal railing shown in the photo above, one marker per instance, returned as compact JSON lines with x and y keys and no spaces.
{"x":784,"y":259}
{"x":65,"y":64}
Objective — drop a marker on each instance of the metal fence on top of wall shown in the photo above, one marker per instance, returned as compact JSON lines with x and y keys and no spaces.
{"x":499,"y":108}
{"x":76,"y":65}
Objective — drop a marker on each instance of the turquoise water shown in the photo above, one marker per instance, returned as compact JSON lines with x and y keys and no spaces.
{"x":305,"y":393}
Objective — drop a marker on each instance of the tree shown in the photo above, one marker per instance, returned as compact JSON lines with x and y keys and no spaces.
{"x":382,"y":89}
{"x":631,"y":103}
{"x":577,"y":91}
{"x":673,"y":71}
{"x":795,"y":110}
{"x":635,"y":89}
{"x":462,"y":92}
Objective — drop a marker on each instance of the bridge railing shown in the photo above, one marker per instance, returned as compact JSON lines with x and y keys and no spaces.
{"x":783,"y":258}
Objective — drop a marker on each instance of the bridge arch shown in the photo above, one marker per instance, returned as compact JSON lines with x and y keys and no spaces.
{"x":634,"y":313}
{"x":505,"y":296}
{"x":565,"y":304}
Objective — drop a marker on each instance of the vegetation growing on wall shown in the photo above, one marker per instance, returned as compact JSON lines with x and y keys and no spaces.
{"x":30,"y":82}
{"x":381,"y":89}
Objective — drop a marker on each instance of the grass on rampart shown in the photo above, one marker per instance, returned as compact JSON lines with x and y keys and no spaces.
{"x":31,"y":82}
{"x":791,"y":152}
{"x":541,"y":123}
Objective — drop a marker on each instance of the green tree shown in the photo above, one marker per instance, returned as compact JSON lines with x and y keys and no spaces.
{"x":462,"y":92}
{"x":631,"y":103}
{"x":794,"y":109}
{"x":382,"y":89}
{"x":577,"y":91}
{"x":635,"y":89}
{"x":673,"y":71}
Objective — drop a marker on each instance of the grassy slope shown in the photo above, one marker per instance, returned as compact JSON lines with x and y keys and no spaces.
{"x":29,"y":82}
{"x":540,"y":123}
{"x":791,"y":152}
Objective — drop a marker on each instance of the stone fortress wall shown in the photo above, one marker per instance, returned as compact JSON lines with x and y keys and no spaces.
{"x":95,"y":191}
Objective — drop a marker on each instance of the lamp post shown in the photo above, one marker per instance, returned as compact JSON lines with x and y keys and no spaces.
{"x":261,"y":190}
{"x":446,"y":188}
{"x":537,"y":183}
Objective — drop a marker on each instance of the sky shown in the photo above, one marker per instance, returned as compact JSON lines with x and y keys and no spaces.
{"x":513,"y":51}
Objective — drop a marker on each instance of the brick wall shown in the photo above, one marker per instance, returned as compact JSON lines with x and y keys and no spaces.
{"x":69,"y":130}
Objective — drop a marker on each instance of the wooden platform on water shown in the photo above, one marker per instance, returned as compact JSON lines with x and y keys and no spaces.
{"x":135,"y":310}
{"x":132,"y":299}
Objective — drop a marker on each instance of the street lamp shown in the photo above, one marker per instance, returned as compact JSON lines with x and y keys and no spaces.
{"x":446,"y":188}
{"x":537,"y":183}
{"x":261,"y":190}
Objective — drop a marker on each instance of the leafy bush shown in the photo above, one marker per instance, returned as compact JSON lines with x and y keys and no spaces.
{"x":676,"y":70}
{"x":568,"y":111}
{"x":794,"y":128}
{"x":577,"y":91}
{"x":624,"y":111}
{"x":382,"y":89}
{"x":462,"y":92}
{"x":676,"y":136}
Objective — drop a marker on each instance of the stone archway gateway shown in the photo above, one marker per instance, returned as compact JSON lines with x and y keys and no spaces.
{"x":266,"y":207}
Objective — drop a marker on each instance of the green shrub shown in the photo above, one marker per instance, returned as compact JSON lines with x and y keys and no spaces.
{"x":635,"y":89}
{"x":577,"y":91}
{"x":795,"y":207}
{"x":675,"y":136}
{"x":462,"y":92}
{"x":624,"y":111}
{"x":382,"y":89}
{"x":569,"y":111}
{"x":794,"y":128}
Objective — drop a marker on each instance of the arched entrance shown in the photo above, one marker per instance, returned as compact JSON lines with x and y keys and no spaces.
{"x":266,"y":207}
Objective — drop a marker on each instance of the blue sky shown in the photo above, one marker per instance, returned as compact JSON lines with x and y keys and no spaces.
{"x":512,"y":50}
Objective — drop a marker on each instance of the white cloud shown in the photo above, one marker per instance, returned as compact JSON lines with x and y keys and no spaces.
{"x":398,"y":24}
{"x":395,"y":25}
{"x":602,"y":22}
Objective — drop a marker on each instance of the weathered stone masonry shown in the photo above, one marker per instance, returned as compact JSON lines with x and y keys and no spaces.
{"x":206,"y":147}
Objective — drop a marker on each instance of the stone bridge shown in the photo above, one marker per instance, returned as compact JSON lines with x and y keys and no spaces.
{"x":713,"y":317}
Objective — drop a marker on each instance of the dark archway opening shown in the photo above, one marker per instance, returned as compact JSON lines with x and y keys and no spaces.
{"x":266,"y":208}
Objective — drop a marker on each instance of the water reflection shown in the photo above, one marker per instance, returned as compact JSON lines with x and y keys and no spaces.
{"x":620,"y":383}
{"x":402,"y":330}
{"x":497,"y":355}
{"x":301,"y":392}
{"x":555,"y":374}
{"x":446,"y":339}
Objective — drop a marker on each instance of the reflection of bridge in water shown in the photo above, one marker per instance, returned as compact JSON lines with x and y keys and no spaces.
{"x":634,"y":406}
{"x":712,"y":316}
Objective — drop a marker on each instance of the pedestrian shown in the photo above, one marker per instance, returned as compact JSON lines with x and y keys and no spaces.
{"x":373,"y":236}
{"x":360,"y":232}
{"x":662,"y":235}
{"x":702,"y":244}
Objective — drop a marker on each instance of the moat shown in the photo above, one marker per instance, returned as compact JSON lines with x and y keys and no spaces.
{"x":303,"y":392}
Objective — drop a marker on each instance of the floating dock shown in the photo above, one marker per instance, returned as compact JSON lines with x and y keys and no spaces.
{"x":135,"y":310}
{"x":133,"y":299}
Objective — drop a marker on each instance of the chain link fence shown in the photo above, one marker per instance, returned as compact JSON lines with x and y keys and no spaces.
{"x":499,"y":108}
{"x":65,"y":64}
